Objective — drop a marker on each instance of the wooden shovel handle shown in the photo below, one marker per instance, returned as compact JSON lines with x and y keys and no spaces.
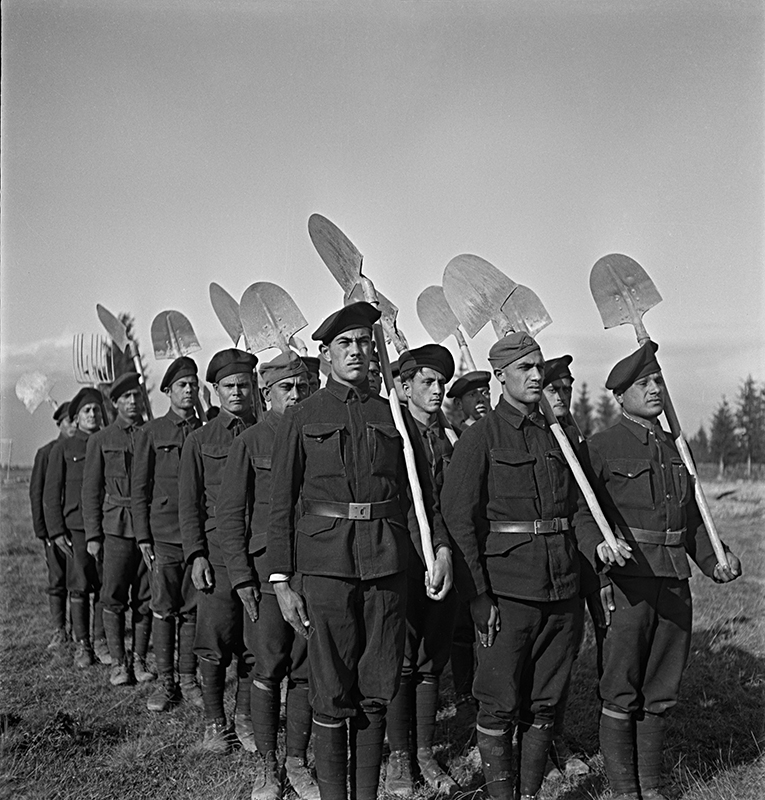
{"x":465,"y":350}
{"x":136,"y":356}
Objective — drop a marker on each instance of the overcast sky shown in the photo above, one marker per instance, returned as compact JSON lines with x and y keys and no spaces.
{"x":150,"y":148}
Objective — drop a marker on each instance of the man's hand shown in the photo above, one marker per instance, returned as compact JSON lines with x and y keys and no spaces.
{"x":202,"y":574}
{"x":64,"y":544}
{"x":292,"y":607}
{"x":609,"y":556}
{"x":486,"y":619}
{"x":147,"y":552}
{"x":438,"y":584}
{"x":250,"y":597}
{"x":729,"y":573}
{"x":94,"y":548}
{"x":602,"y":605}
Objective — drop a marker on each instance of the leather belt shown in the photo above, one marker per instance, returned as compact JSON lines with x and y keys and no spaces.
{"x":326,"y":508}
{"x":641,"y":535}
{"x":123,"y":502}
{"x":536,"y":526}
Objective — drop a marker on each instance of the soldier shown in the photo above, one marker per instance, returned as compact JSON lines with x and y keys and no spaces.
{"x":63,"y":517}
{"x":154,"y":503}
{"x":647,"y":495}
{"x":425,"y":372}
{"x":110,"y":536}
{"x":471,"y":396}
{"x":558,"y":385}
{"x":314,"y":373}
{"x":219,"y":610}
{"x":54,"y":556}
{"x":507,"y":505}
{"x":374,"y":375}
{"x":242,"y":513}
{"x":339,"y":454}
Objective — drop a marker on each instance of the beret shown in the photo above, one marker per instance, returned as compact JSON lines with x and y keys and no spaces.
{"x":285,"y":365}
{"x":61,"y":412}
{"x":434,"y":356}
{"x":311,"y":363}
{"x":394,"y":368}
{"x":636,"y":365}
{"x":510,"y":348}
{"x":469,"y":381}
{"x":86,"y":395}
{"x":183,"y":367}
{"x":557,"y":368}
{"x":229,"y":362}
{"x":355,"y":315}
{"x":125,"y":383}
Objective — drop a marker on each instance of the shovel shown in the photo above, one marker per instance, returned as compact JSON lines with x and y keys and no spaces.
{"x":118,"y":332}
{"x":172,"y":337}
{"x":439,"y":321}
{"x":32,"y":388}
{"x":482,"y":284}
{"x":344,"y":262}
{"x":623,"y":292}
{"x":227,"y":311}
{"x":270,"y":317}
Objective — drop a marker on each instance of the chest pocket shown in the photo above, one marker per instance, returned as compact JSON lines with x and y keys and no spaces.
{"x":682,"y":480}
{"x":512,"y":473}
{"x":384,"y":448}
{"x":630,"y":483}
{"x":323,"y":444}
{"x":168,"y":457}
{"x":75,"y":467}
{"x":116,"y":464}
{"x":559,"y":474}
{"x":214,"y":459}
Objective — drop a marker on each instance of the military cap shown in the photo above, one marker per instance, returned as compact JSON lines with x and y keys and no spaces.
{"x":355,"y":315}
{"x":394,"y":367}
{"x":637,"y":365}
{"x":61,"y":412}
{"x":311,"y":363}
{"x":86,"y":395}
{"x":229,"y":362}
{"x":374,"y":356}
{"x":125,"y":383}
{"x":469,"y":381}
{"x":285,"y":365}
{"x":183,"y":367}
{"x":557,"y":368}
{"x":434,"y":356}
{"x":510,"y":348}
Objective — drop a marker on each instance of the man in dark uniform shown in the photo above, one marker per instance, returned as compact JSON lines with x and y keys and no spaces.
{"x":54,"y":557}
{"x":314,"y":373}
{"x":154,"y":503}
{"x":374,"y":376}
{"x":242,"y":512}
{"x":647,"y":495}
{"x":338,"y":458}
{"x":62,"y":507}
{"x":109,"y":532}
{"x":219,"y":610}
{"x":558,"y":387}
{"x":425,"y":371}
{"x":507,"y":504}
{"x":471,"y":396}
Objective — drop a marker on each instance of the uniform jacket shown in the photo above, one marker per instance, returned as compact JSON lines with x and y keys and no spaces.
{"x":338,"y":445}
{"x":36,"y":486}
{"x":106,"y":483}
{"x":641,"y":482}
{"x":156,"y":462}
{"x":62,"y":496}
{"x":202,"y":460}
{"x":509,"y":467}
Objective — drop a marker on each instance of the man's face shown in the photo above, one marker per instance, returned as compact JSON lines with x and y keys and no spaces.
{"x":183,"y":393}
{"x":130,"y":405}
{"x":375,"y":377}
{"x":313,"y":382}
{"x":67,"y":427}
{"x":348,"y":355}
{"x":88,"y":418}
{"x":645,"y":398}
{"x":235,"y":393}
{"x":287,"y":392}
{"x":522,"y":380}
{"x":558,"y":394}
{"x":476,"y":402}
{"x":425,"y":391}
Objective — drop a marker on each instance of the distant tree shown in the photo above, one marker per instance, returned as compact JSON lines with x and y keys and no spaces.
{"x":750,"y":423}
{"x":607,"y":412}
{"x":123,"y":361}
{"x":699,"y":445}
{"x":583,"y":412}
{"x":722,"y":445}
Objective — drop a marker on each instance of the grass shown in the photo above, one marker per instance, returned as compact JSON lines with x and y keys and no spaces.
{"x":67,"y":734}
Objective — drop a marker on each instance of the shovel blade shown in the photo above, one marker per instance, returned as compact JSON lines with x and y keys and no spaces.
{"x":523,"y":311}
{"x":337,"y":251}
{"x":172,"y":336}
{"x":388,"y":315}
{"x":116,"y":329}
{"x":435,"y":314}
{"x":227,"y":311}
{"x":32,"y":388}
{"x":622,"y":290}
{"x":269,"y":317}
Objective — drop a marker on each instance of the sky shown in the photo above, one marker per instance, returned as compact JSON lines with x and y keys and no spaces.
{"x":151,"y":148}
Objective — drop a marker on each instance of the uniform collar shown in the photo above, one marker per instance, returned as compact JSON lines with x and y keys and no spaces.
{"x":434,"y":426}
{"x":516,"y":418}
{"x":126,"y":425}
{"x":81,"y":435}
{"x":229,"y":420}
{"x":176,"y":420}
{"x":272,"y":418}
{"x":343,"y":392}
{"x":640,"y":429}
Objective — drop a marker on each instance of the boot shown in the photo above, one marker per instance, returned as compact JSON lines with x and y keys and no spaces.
{"x":83,"y":654}
{"x":497,"y":762}
{"x":187,"y":662}
{"x":114,"y":627}
{"x":650,"y":730}
{"x":217,"y":737}
{"x":398,"y":774}
{"x":57,"y":605}
{"x":164,"y":652}
{"x":617,"y":743}
{"x":190,"y":690}
{"x":58,"y":640}
{"x":268,"y":785}
{"x":300,"y":778}
{"x":141,"y":635}
{"x":534,"y":742}
{"x":433,"y":774}
{"x":367,"y":732}
{"x":100,"y":645}
{"x":330,"y":750}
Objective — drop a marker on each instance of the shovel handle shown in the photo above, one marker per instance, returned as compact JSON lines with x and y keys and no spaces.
{"x":136,"y":356}
{"x":465,"y":350}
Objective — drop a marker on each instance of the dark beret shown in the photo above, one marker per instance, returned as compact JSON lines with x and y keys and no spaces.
{"x":61,"y":412}
{"x":312,"y":364}
{"x":230,"y":362}
{"x":510,"y":348}
{"x":125,"y":383}
{"x":183,"y":367}
{"x":394,"y":368}
{"x":637,"y":365}
{"x":86,"y":395}
{"x":355,"y":315}
{"x":434,"y":356}
{"x":469,"y":381}
{"x":285,"y":365}
{"x":557,"y":368}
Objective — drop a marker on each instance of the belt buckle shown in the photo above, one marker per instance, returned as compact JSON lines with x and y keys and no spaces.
{"x":536,"y":527}
{"x":359,"y":510}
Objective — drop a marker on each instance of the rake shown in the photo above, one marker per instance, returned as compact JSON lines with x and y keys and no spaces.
{"x":92,"y":359}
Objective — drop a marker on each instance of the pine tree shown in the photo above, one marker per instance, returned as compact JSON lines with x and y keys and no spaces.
{"x":722,"y":445}
{"x":583,"y":412}
{"x":699,"y":445}
{"x":607,"y":411}
{"x":750,"y":422}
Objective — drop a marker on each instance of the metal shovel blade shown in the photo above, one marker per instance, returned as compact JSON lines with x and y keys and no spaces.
{"x":337,"y":251}
{"x":227,"y":311}
{"x":32,"y":388}
{"x":116,"y":329}
{"x":435,"y":314}
{"x":389,"y":313}
{"x":524,"y":311}
{"x":269,"y":317}
{"x":172,"y":336}
{"x":475,"y":290}
{"x":622,"y":290}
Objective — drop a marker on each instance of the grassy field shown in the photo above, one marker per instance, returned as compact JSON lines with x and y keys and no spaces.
{"x":68,"y":734}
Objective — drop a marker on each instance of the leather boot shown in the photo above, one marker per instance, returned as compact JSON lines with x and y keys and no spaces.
{"x":330,"y":750}
{"x":366,"y":735}
{"x":650,"y":730}
{"x":534,"y":742}
{"x":164,"y":652}
{"x":141,"y":636}
{"x":497,"y":762}
{"x":617,"y":743}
